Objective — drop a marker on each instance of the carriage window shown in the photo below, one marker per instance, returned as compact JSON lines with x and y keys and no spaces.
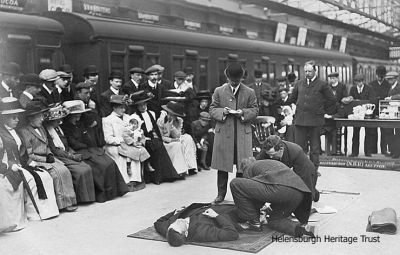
{"x":272,"y":72}
{"x":257,"y":65}
{"x":46,"y":59}
{"x":284,"y":70}
{"x":340,"y":71}
{"x":177,"y":63}
{"x":323,"y":73}
{"x":222,"y":64}
{"x":203,"y":74}
{"x":152,"y":59}
{"x":191,"y":62}
{"x":265,"y":70}
{"x":117,"y":63}
{"x":135,"y":59}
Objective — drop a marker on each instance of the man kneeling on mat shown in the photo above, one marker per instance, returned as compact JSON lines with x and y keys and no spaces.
{"x":199,"y":223}
{"x":273,"y":182}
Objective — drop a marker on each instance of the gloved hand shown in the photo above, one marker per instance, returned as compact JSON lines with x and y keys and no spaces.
{"x":50,"y":158}
{"x":15,"y":167}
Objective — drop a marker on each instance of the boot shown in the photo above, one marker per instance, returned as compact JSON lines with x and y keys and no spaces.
{"x":203,"y":156}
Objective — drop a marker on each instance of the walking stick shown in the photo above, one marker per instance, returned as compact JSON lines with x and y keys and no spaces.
{"x":29,"y":191}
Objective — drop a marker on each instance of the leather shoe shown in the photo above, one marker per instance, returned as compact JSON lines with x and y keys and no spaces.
{"x":316,"y":196}
{"x":254,"y":225}
{"x":219,"y":199}
{"x":71,"y":208}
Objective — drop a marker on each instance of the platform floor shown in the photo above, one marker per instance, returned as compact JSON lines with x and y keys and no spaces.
{"x":102,"y":228}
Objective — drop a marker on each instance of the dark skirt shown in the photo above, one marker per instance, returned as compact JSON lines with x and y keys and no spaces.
{"x":108,"y":181}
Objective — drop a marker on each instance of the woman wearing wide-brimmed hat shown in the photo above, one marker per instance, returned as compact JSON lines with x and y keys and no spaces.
{"x":15,"y":207}
{"x":114,"y":126}
{"x":81,"y":172}
{"x":37,"y":144}
{"x":171,"y":124}
{"x":160,"y":167}
{"x":108,"y":181}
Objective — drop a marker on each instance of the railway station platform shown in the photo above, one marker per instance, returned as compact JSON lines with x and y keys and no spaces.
{"x":103,"y":228}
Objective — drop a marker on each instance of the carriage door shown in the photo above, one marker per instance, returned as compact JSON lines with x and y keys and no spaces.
{"x":18,"y":48}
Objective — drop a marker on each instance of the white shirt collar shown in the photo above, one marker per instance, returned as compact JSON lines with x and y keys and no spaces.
{"x":115,"y":91}
{"x":335,"y":84}
{"x":394,"y":85}
{"x":236,"y":88}
{"x":153,"y":85}
{"x":360,"y":89}
{"x":135,"y":83}
{"x":46,"y":88}
{"x":5,"y":86}
{"x":59,"y":89}
{"x":29,"y":95}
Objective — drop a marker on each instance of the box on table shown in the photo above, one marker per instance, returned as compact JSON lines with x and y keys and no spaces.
{"x":389,"y":109}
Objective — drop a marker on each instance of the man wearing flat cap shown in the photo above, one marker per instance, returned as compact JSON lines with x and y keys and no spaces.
{"x":132,"y":85}
{"x":91,"y":76}
{"x":115,"y":80}
{"x":233,"y":107}
{"x":340,"y":91}
{"x":48,"y":93}
{"x":393,"y":135}
{"x":381,"y":87}
{"x":32,"y":85}
{"x":161,"y":80}
{"x":311,"y":95}
{"x":10,"y":73}
{"x":361,"y":91}
{"x":203,"y":135}
{"x":262,"y":88}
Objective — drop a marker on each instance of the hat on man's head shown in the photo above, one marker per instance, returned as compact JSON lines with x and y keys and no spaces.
{"x":75,"y":106}
{"x":335,"y":74}
{"x":11,"y":68}
{"x":271,"y":142}
{"x":234,"y":72}
{"x":82,"y":85}
{"x":205,"y":116}
{"x":180,"y":75}
{"x":30,"y":79}
{"x":358,"y":77}
{"x":56,"y":113}
{"x":10,"y":105}
{"x":49,"y":75}
{"x":203,"y":94}
{"x":63,"y":74}
{"x":175,"y":108}
{"x":151,"y":69}
{"x":115,"y":74}
{"x":392,"y":74}
{"x":291,"y":77}
{"x":258,"y":74}
{"x":66,"y":68}
{"x":136,"y":70}
{"x":139,"y":97}
{"x":35,"y":107}
{"x":160,"y":68}
{"x":90,"y":70}
{"x":380,"y":71}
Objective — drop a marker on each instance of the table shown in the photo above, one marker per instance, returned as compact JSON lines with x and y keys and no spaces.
{"x":369,"y":123}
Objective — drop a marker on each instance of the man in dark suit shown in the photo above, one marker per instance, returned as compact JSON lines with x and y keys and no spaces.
{"x":10,"y":73}
{"x":49,"y":94}
{"x":68,"y":92}
{"x":32,"y":84}
{"x":360,"y":91}
{"x":166,"y":84}
{"x":132,"y":85}
{"x":381,"y":87}
{"x":270,"y":181}
{"x":264,"y":92}
{"x":154,"y":89}
{"x":393,"y":135}
{"x":91,"y":76}
{"x":310,"y":95}
{"x":292,"y":156}
{"x":115,"y":80}
{"x":340,"y":91}
{"x":198,"y":223}
{"x":233,"y":107}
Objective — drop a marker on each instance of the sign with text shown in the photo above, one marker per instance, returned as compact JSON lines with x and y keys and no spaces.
{"x":59,"y":5}
{"x":190,"y":24}
{"x":148,"y":17}
{"x":394,"y":52}
{"x":12,"y":5}
{"x":96,"y":10}
{"x":280,"y":32}
{"x":301,"y":36}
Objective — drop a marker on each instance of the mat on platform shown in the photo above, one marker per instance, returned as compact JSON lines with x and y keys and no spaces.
{"x":360,"y":162}
{"x":248,"y":241}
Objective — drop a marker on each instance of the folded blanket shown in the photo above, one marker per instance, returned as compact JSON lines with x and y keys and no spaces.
{"x":383,"y":221}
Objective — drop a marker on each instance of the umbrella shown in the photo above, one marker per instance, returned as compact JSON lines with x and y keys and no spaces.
{"x":29,"y":191}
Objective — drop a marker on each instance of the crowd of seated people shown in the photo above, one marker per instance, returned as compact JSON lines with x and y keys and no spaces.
{"x":64,"y":143}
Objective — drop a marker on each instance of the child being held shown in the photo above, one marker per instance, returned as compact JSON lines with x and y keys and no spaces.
{"x":132,"y":146}
{"x":287,"y":113}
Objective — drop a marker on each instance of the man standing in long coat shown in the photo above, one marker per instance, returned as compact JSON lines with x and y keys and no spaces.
{"x":233,"y":107}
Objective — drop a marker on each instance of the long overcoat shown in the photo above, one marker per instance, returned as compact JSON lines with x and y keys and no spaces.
{"x":223,"y":153}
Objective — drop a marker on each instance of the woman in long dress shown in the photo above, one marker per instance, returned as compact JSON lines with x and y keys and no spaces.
{"x":35,"y":139}
{"x":15,"y":206}
{"x":171,"y":124}
{"x":108,"y":181}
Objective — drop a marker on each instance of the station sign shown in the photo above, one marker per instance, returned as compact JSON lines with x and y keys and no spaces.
{"x":96,"y":10}
{"x":12,"y":5}
{"x":59,"y":5}
{"x":252,"y":34}
{"x":226,"y":30}
{"x":193,"y":25}
{"x":394,"y":52}
{"x":148,"y":17}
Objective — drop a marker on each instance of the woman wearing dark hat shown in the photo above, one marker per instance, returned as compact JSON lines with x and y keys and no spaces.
{"x":162,"y":168}
{"x":15,"y":208}
{"x":81,"y":172}
{"x":38,"y":150}
{"x":114,"y":126}
{"x":108,"y":181}
{"x":171,"y":124}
